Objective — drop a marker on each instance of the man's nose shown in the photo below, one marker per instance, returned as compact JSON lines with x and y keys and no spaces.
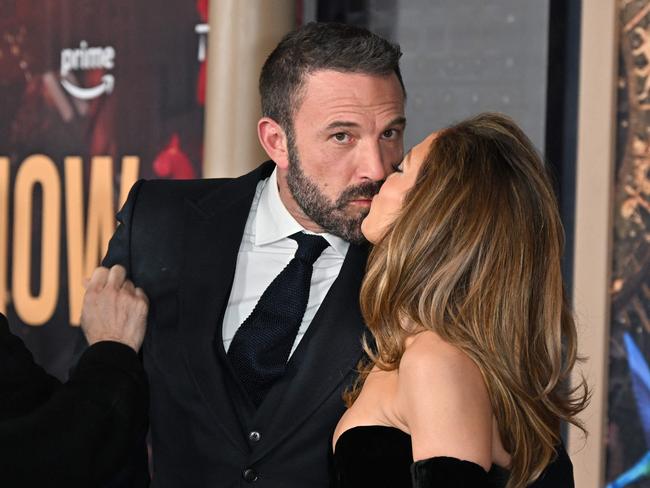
{"x":371,"y":163}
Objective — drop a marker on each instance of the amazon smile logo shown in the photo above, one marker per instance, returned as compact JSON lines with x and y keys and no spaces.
{"x":87,"y":58}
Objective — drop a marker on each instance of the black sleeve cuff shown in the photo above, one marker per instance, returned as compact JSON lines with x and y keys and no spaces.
{"x":448,"y":472}
{"x":113,"y":355}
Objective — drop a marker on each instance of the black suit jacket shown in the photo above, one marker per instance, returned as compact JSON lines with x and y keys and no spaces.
{"x":77,"y":434}
{"x":179,"y":241}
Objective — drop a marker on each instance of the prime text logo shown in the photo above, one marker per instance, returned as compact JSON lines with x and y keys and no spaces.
{"x":87,"y":58}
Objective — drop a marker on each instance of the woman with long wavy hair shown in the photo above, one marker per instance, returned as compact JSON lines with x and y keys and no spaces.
{"x":473,"y":343}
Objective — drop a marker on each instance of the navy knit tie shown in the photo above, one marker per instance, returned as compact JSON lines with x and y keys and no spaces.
{"x":260,"y":349}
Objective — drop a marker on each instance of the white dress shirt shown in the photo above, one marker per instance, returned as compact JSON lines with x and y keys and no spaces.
{"x":265,"y":251}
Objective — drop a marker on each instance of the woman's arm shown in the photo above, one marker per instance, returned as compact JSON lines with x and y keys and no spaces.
{"x":23,"y":384}
{"x":445,"y":404}
{"x":82,"y":432}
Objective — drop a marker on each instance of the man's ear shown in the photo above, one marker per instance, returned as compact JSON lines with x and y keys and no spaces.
{"x":274,"y":141}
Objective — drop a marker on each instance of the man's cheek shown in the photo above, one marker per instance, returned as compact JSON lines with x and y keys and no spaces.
{"x":393,"y":159}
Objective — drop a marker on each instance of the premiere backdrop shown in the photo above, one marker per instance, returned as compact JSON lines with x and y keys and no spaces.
{"x":93,"y":96}
{"x":628,"y":434}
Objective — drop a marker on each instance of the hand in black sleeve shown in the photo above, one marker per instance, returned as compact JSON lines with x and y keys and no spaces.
{"x":76,"y":434}
{"x":89,"y":431}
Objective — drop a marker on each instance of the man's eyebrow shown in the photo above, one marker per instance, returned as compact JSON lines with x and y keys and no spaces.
{"x":397,"y":121}
{"x":338,"y":124}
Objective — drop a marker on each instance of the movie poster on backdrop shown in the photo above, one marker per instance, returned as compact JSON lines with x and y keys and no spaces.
{"x":628,"y":433}
{"x":93,"y":96}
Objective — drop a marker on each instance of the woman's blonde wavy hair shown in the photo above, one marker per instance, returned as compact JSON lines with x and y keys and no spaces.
{"x":475,"y":257}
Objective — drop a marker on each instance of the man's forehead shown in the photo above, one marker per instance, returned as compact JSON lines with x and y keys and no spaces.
{"x":346,"y":82}
{"x":328,"y":93}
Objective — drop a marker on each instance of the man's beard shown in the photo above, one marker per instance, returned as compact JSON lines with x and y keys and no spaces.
{"x":331,"y":216}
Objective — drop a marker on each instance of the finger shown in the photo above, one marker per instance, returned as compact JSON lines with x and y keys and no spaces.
{"x":116,"y":276}
{"x":139,"y":292}
{"x":128,"y":286}
{"x":98,"y":278}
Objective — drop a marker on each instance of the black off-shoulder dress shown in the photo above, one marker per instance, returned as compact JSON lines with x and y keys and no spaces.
{"x":381,"y":457}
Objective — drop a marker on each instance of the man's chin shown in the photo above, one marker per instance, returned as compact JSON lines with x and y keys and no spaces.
{"x":356,"y":237}
{"x":348,"y":228}
{"x":354,"y":232}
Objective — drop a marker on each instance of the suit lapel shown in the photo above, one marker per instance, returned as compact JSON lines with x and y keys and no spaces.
{"x":213,"y":231}
{"x":325,"y":356}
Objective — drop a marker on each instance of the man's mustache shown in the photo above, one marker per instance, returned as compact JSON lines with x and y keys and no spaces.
{"x":362,"y":191}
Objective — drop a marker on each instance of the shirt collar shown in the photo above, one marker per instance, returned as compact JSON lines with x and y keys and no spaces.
{"x":274,"y":222}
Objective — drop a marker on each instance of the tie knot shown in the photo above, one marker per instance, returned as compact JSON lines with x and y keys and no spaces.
{"x":309,"y":246}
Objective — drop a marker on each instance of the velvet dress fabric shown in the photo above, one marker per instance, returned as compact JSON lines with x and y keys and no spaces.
{"x":381,"y":457}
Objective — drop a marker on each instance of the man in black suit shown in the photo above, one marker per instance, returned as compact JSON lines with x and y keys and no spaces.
{"x":79,"y":433}
{"x":254,"y":327}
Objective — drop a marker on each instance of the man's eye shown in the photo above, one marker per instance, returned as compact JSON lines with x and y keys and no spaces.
{"x":341,"y":137}
{"x":390,"y":134}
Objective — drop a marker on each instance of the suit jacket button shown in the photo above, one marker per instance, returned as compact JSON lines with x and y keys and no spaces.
{"x":254,"y":436}
{"x":250,"y":475}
